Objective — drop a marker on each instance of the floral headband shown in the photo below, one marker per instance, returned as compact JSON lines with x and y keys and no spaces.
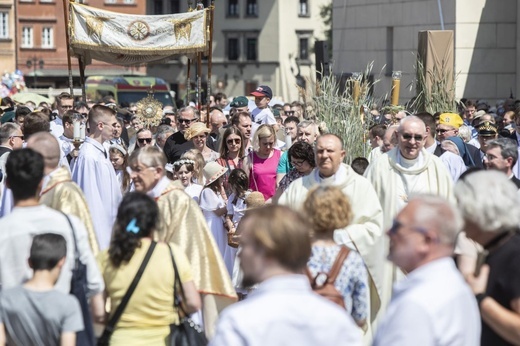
{"x":183,"y":162}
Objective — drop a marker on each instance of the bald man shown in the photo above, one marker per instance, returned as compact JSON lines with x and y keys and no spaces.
{"x":365,"y":233}
{"x":217,"y":121}
{"x":58,"y":191}
{"x":406,"y":170}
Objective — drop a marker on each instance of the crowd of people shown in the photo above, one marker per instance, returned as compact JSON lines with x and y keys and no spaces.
{"x":249,"y":224}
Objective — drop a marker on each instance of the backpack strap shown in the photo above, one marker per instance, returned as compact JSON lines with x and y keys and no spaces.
{"x":338,"y":263}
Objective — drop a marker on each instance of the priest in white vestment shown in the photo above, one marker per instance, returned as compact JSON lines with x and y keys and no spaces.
{"x":96,"y":176}
{"x":405,"y":170}
{"x":364,"y":234}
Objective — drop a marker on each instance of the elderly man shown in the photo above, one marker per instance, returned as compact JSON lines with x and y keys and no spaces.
{"x":96,"y":176}
{"x":144,"y":138}
{"x":182,"y":222}
{"x":434,"y":306}
{"x":162,"y":134}
{"x":176,"y":144}
{"x":389,"y":139}
{"x":217,"y":121}
{"x":502,"y":155}
{"x":283,"y":310}
{"x":11,"y":137}
{"x":490,"y":206}
{"x":365,"y":233}
{"x":64,"y":102}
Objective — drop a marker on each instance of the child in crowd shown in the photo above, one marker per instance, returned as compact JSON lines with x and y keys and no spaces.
{"x":36,"y":313}
{"x":119,"y":159}
{"x":184,"y":169}
{"x":196,"y":156}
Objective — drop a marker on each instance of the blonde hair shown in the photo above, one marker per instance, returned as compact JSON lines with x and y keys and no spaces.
{"x":196,"y":156}
{"x":264,"y":131}
{"x":327,"y":209}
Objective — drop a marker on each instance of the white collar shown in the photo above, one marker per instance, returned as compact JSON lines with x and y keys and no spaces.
{"x":159,"y":188}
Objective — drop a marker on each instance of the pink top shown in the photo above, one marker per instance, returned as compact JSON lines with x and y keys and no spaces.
{"x":262,"y":177}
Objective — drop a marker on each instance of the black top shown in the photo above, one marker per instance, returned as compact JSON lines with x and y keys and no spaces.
{"x":504,"y":281}
{"x":4,"y":150}
{"x":175,"y":146}
{"x":474,"y":152}
{"x":516,"y":181}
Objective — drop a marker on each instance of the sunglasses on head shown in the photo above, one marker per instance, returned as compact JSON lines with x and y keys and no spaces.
{"x":142,"y":140}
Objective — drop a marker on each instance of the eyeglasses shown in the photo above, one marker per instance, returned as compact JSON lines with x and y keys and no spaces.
{"x":137,"y":170}
{"x":142,"y":140}
{"x":297,"y":163}
{"x":234,"y":141}
{"x":442,"y":130}
{"x":21,"y":137}
{"x":187,"y":121}
{"x":408,"y":137}
{"x":396,"y":226}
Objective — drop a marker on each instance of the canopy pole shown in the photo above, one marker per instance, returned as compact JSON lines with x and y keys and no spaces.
{"x":82,"y":78}
{"x":210,"y":53}
{"x":67,"y":37}
{"x":199,"y":82}
{"x":188,"y":83}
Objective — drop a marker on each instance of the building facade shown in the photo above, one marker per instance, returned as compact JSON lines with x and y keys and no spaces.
{"x":41,"y":42}
{"x":254,"y":42}
{"x":486,"y":51}
{"x":7,"y":36}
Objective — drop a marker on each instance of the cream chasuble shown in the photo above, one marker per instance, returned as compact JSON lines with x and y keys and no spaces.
{"x":61,"y":193}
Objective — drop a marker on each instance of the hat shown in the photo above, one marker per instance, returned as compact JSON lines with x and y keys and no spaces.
{"x":212,"y":171}
{"x":487,"y":128}
{"x":451,"y":119}
{"x":239,"y":101}
{"x":7,"y":117}
{"x":482,"y":105}
{"x":195,"y":130}
{"x":263,"y":90}
{"x":254,"y":200}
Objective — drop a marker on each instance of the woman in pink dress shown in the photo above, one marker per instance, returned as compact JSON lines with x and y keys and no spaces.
{"x":263,"y":162}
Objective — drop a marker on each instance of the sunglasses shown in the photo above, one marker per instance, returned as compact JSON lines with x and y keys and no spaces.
{"x":234,"y":141}
{"x":396,"y":226}
{"x":142,"y":140}
{"x":187,"y":121}
{"x":408,"y":137}
{"x":21,"y":137}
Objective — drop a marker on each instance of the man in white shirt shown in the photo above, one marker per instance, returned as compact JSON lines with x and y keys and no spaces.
{"x":96,"y":176}
{"x":64,"y":102}
{"x":433,"y":306}
{"x":283,"y":310}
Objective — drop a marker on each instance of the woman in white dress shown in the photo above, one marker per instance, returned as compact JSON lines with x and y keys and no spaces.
{"x":184,"y":169}
{"x":214,"y":208}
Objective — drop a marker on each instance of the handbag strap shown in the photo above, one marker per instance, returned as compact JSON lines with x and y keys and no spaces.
{"x":121,"y":307}
{"x":177,"y":282}
{"x":76,"y":253}
{"x":338,"y":263}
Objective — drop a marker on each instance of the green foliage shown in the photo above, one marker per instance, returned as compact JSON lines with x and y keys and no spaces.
{"x":342,"y":115}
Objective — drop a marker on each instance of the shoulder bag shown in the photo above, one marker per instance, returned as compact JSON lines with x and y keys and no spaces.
{"x":187,"y":332}
{"x":104,"y":340}
{"x":78,"y":288}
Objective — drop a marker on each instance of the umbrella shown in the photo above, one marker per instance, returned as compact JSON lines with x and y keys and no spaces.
{"x":33,"y":97}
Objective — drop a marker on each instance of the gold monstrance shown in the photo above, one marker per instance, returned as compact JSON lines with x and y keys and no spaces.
{"x":149,"y":110}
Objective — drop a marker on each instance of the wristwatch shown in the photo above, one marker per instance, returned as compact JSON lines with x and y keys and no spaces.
{"x":480,"y":297}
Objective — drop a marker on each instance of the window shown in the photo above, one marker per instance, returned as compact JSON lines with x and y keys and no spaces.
{"x":304,"y":48}
{"x":233,"y":52}
{"x":129,"y":2}
{"x":110,"y":1}
{"x":233,"y":8}
{"x":158,"y":7}
{"x":47,"y":38}
{"x":303,"y":9}
{"x":4,"y":25}
{"x":27,"y":37}
{"x":251,"y":49}
{"x":175,"y":6}
{"x":251,"y":8}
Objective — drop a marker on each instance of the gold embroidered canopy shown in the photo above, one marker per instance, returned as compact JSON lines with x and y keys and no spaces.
{"x":124,"y":39}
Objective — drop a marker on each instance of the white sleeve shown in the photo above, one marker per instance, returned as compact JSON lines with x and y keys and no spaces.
{"x":95,"y":283}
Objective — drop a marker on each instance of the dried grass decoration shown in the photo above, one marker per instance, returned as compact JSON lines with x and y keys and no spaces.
{"x":149,"y":110}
